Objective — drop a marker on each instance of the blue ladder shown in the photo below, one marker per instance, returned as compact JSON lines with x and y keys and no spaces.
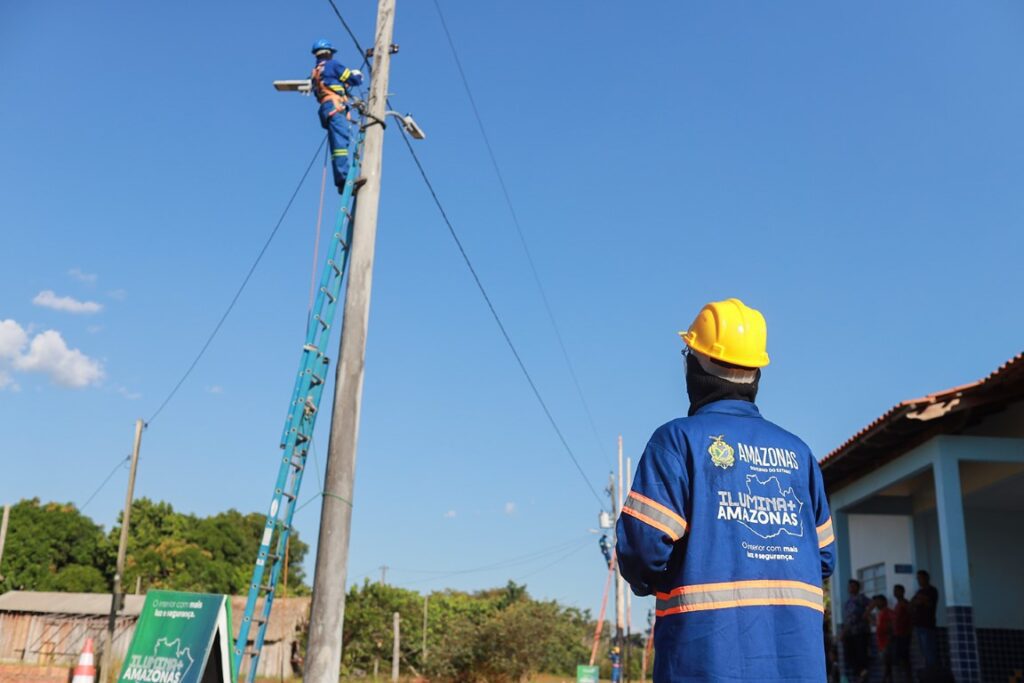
{"x":298,"y":429}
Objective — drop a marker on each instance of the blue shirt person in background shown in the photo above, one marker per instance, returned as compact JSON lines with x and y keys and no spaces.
{"x":331,"y":82}
{"x":727,"y":523}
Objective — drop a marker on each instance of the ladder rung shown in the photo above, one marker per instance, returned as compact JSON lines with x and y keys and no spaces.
{"x":310,"y":347}
{"x":298,"y":466}
{"x":301,"y":438}
{"x":289,"y":496}
{"x":334,"y":266}
{"x":267,"y":588}
{"x":322,"y":323}
{"x":315,"y":379}
{"x":251,"y":652}
{"x":328,"y":294}
{"x":310,"y":406}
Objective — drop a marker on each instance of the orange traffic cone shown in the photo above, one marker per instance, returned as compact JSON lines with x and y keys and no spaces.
{"x":85,"y":672}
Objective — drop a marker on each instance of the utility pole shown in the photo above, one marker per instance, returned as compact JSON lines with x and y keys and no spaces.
{"x":425,"y":599}
{"x":3,"y":535}
{"x":327,"y":611}
{"x":383,"y":574}
{"x":620,"y":583}
{"x":396,"y":651}
{"x":627,"y":651}
{"x":122,"y":551}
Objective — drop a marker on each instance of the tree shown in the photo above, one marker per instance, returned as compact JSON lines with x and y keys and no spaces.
{"x":54,"y":547}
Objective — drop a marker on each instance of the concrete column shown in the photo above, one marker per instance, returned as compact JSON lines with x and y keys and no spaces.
{"x":956,"y":574}
{"x":842,"y":573}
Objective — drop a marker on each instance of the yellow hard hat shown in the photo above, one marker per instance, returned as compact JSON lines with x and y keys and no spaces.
{"x":731,"y":332}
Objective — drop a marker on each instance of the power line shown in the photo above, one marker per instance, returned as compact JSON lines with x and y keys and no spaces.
{"x":497,"y":318}
{"x":518,"y":226}
{"x":241,"y":288}
{"x":483,"y":291}
{"x":120,"y":464}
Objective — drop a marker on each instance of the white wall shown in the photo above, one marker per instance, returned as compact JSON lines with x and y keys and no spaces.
{"x":883,"y":538}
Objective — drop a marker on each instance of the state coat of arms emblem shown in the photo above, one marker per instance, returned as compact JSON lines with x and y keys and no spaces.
{"x":722,"y":454}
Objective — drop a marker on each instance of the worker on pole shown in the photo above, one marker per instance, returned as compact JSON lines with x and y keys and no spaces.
{"x":727,"y":522}
{"x":331,"y":82}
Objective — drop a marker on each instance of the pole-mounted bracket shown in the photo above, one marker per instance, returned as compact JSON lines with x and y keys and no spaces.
{"x":392,"y":49}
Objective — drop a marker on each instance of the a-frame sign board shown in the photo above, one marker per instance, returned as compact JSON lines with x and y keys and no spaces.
{"x":181,"y":638}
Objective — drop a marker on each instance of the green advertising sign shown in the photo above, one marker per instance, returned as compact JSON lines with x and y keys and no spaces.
{"x":587,"y":674}
{"x":181,"y":638}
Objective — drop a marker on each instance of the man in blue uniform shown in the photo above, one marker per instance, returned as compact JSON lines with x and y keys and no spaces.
{"x":727,"y":522}
{"x":331,"y":81}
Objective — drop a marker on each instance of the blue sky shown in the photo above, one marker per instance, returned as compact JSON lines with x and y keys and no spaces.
{"x":854,"y":172}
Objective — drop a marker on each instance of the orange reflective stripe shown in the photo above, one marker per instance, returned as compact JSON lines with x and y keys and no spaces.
{"x":647,"y":520}
{"x":825,"y":535}
{"x":727,"y":585}
{"x":659,"y":506}
{"x":732,"y":594}
{"x":679,"y":609}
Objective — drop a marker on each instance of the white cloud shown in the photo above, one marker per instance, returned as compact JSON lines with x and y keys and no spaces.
{"x":82,"y":276}
{"x":510,"y":508}
{"x":449,"y":515}
{"x":49,"y":354}
{"x":13,"y":339}
{"x":128,"y":394}
{"x":94,"y":329}
{"x":48,"y":299}
{"x":7,"y":382}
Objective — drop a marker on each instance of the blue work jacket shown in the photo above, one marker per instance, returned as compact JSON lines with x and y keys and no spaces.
{"x":728,"y":525}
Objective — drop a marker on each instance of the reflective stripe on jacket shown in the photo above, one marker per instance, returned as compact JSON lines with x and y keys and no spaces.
{"x":728,"y":525}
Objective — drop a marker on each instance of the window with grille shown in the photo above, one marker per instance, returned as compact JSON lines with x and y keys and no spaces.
{"x":872,"y":580}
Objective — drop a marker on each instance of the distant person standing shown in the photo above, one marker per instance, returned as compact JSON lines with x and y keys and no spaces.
{"x":922,"y":615}
{"x":856,"y":632}
{"x":901,"y":631}
{"x":884,"y":626}
{"x":616,"y":664}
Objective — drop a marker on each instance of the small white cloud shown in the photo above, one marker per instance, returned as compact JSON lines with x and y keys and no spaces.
{"x":49,"y":354}
{"x":449,"y":515}
{"x":82,"y":276}
{"x":94,"y":329}
{"x":128,"y":394}
{"x":215,"y":389}
{"x":48,"y":299}
{"x":117,"y":294}
{"x":7,"y":382}
{"x":510,"y":508}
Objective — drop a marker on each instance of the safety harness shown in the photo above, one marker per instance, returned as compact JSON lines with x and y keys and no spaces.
{"x":336,"y":94}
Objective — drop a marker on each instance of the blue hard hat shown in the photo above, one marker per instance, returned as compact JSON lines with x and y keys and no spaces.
{"x":322,"y":44}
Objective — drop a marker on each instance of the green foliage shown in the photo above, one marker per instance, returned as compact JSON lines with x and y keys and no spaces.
{"x":499,"y":635}
{"x":54,"y":547}
{"x":176,"y":551}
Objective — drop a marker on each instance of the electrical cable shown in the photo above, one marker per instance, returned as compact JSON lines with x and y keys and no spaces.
{"x":497,"y":318}
{"x":241,"y":288}
{"x":483,"y":291}
{"x":553,"y":563}
{"x":119,"y":465}
{"x":519,"y":228}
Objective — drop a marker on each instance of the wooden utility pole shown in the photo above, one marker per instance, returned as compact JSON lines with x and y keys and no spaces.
{"x":122,"y":550}
{"x":327,"y":612}
{"x":383,"y":574}
{"x":620,"y":583}
{"x":425,"y":599}
{"x":3,"y":536}
{"x":396,"y":651}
